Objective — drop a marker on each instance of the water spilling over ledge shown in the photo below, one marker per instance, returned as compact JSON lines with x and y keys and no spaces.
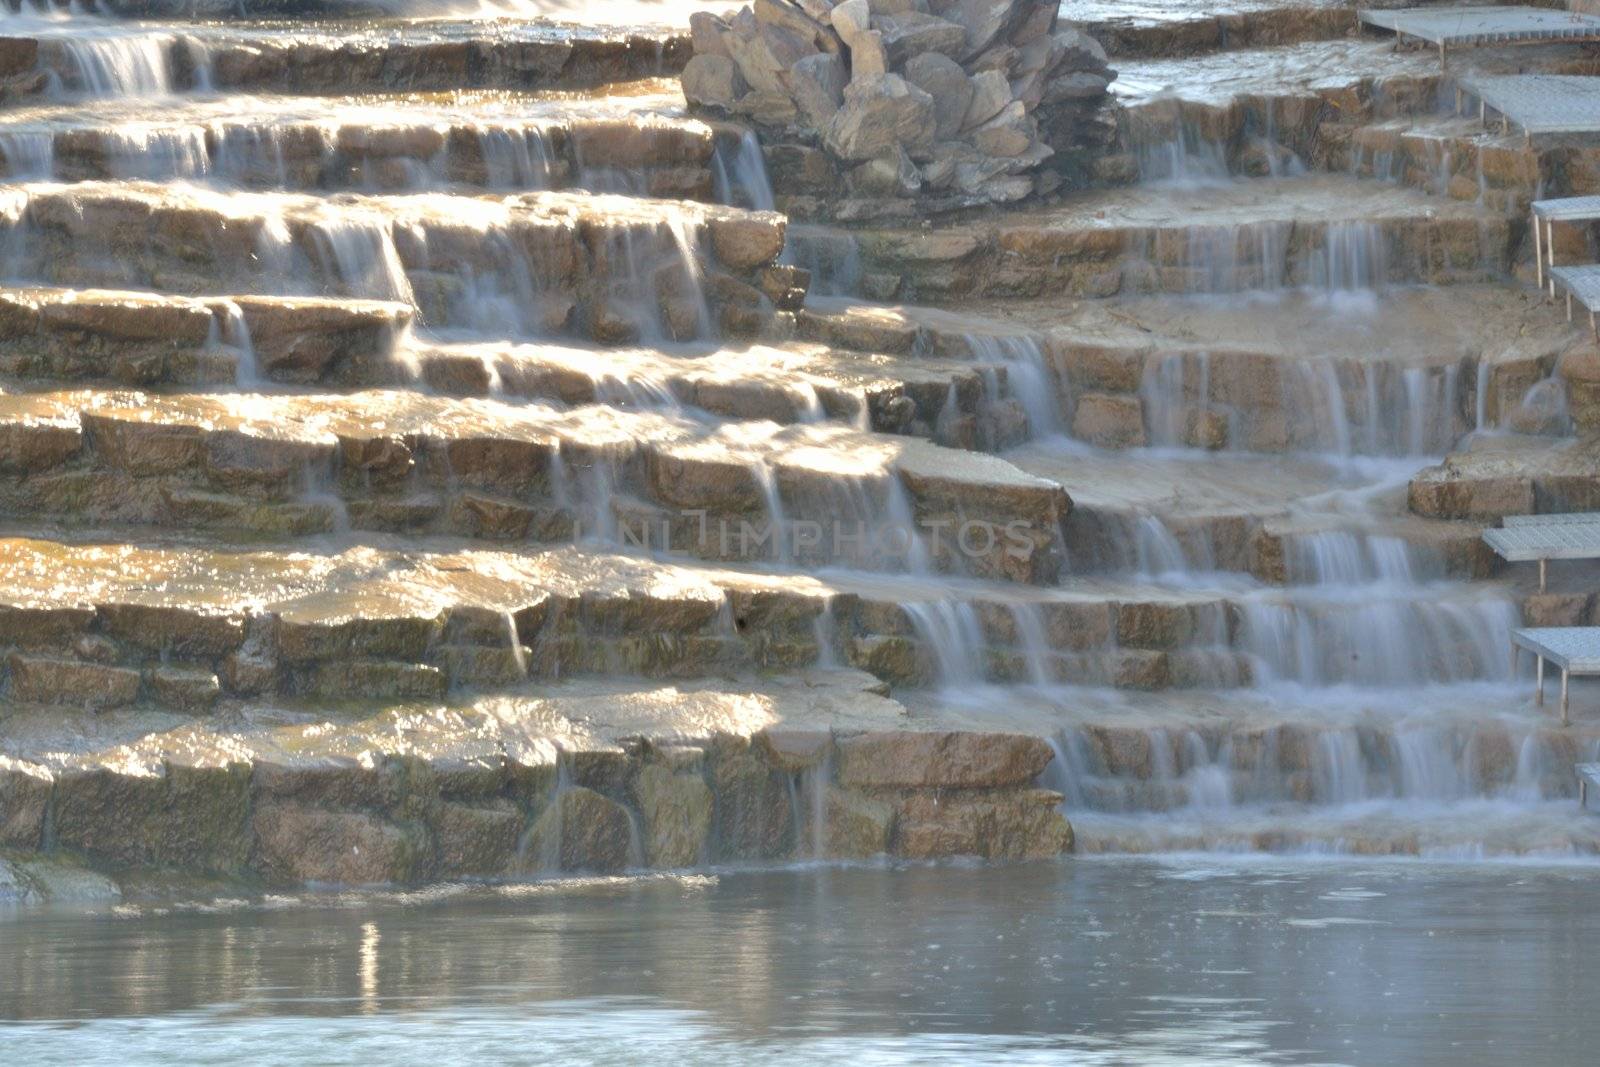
{"x":431,"y":448}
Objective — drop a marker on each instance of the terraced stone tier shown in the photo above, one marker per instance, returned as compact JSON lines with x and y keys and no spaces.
{"x":610,"y":267}
{"x":286,"y":58}
{"x":1136,"y":30}
{"x":178,"y":625}
{"x":595,"y":777}
{"x":296,"y":463}
{"x":135,"y":338}
{"x":1322,"y":232}
{"x":1296,"y":372}
{"x":1169,"y":513}
{"x":1457,"y":157}
{"x":1273,"y":110}
{"x":635,"y":139}
{"x":1510,"y":476}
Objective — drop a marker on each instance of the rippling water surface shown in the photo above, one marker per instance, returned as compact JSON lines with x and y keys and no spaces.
{"x":1193,"y":961}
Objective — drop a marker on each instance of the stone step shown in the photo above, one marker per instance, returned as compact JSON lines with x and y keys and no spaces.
{"x":1283,"y":520}
{"x":400,"y":460}
{"x":1324,"y":233}
{"x":170,"y":623}
{"x":1458,"y":158}
{"x":95,"y":57}
{"x":1189,"y":29}
{"x":1281,"y":110}
{"x":541,"y":263}
{"x":144,"y":339}
{"x":1497,"y":477}
{"x":1302,"y":372}
{"x":634,"y":140}
{"x":595,"y":776}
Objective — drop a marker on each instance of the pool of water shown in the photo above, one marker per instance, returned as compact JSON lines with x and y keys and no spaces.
{"x":1103,"y":961}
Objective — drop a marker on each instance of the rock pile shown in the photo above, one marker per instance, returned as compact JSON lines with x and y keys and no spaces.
{"x":952,"y":101}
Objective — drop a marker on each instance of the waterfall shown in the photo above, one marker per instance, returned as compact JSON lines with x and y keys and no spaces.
{"x":1028,"y":377}
{"x":741,"y":175}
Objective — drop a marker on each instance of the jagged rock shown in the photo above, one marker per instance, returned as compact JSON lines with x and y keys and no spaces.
{"x":786,"y":16}
{"x":819,"y":10}
{"x":1007,"y":134}
{"x":713,"y":80}
{"x":891,"y":174}
{"x":706,"y":31}
{"x":943,"y":79}
{"x":991,"y":92}
{"x":817,"y":85}
{"x":880,"y":113}
{"x":1076,"y":50}
{"x":981,"y":21}
{"x":897,"y":7}
{"x":1001,"y":57}
{"x":913,"y":33}
{"x":764,"y":51}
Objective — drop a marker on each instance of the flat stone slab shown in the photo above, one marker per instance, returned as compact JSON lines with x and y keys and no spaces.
{"x":1543,"y":103}
{"x":1484,"y":25}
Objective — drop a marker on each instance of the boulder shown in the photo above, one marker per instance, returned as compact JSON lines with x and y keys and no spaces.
{"x":765,"y":51}
{"x":891,"y":174}
{"x":850,"y":20}
{"x":295,"y":844}
{"x":981,"y":22}
{"x":781,"y":13}
{"x":1007,"y":134}
{"x":991,"y":92}
{"x":868,"y":56}
{"x":713,"y":81}
{"x":881,"y":112}
{"x":817,"y":85}
{"x":706,"y":32}
{"x":1109,"y":420}
{"x":943,"y":79}
{"x":913,"y":33}
{"x":744,"y":242}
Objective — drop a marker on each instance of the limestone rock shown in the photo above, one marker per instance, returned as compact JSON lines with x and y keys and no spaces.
{"x":880,"y":113}
{"x":991,"y":92}
{"x":817,"y":85}
{"x":582,"y":831}
{"x":713,"y":81}
{"x":296,"y":844}
{"x":943,"y":79}
{"x":858,"y":826}
{"x":46,"y":680}
{"x":676,"y":812}
{"x":1110,"y":420}
{"x":185,"y":688}
{"x":913,"y":759}
{"x":744,"y":242}
{"x":477,"y":840}
{"x":24,"y":794}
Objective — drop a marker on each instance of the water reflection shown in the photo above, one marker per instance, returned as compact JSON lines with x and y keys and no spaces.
{"x":1087,"y":961}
